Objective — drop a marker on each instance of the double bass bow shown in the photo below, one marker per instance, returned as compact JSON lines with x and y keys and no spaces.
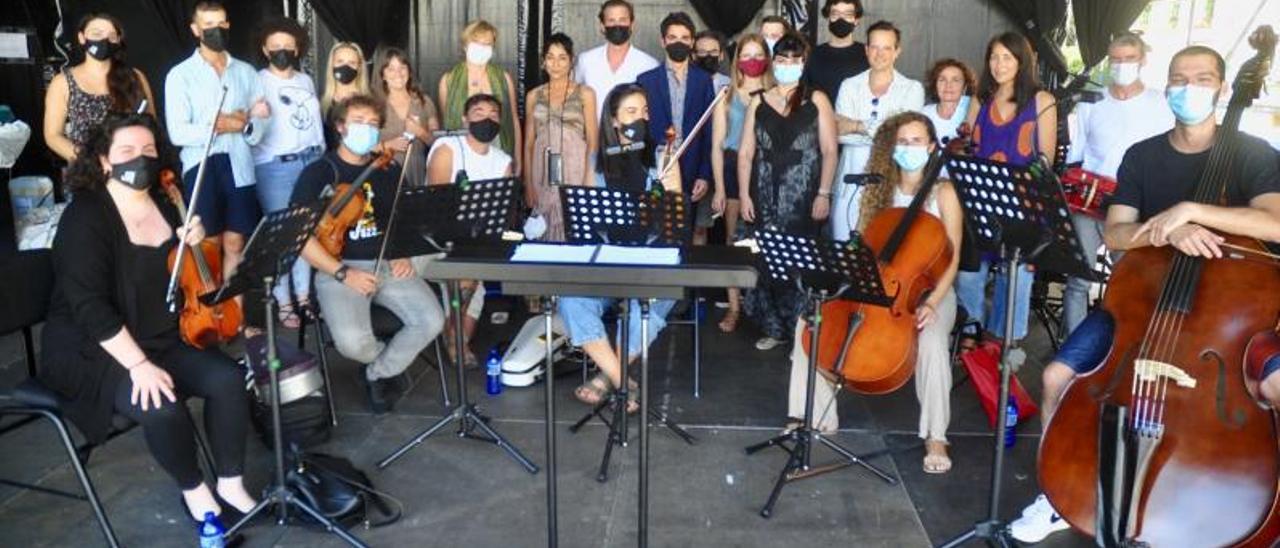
{"x":1165,"y":445}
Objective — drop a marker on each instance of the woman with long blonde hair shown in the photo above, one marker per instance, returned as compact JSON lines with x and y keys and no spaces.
{"x":345,"y":76}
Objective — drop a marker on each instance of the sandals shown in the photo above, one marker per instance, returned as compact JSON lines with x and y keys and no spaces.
{"x":597,"y":388}
{"x":936,"y":460}
{"x":288,"y":316}
{"x":469,"y":359}
{"x":729,"y":323}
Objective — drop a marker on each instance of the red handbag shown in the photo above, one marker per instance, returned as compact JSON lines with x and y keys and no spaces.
{"x":983,"y":365}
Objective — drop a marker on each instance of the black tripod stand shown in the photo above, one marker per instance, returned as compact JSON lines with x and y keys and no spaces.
{"x":1020,"y":212}
{"x":475,"y":209}
{"x":823,"y":271}
{"x":273,"y":247}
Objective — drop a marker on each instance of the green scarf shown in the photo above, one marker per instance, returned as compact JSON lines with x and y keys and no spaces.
{"x":458,"y":87}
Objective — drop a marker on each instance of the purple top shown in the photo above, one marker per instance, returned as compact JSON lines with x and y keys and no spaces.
{"x":1011,"y":141}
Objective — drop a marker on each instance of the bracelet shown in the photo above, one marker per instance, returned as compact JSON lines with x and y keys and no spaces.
{"x":140,"y":362}
{"x":826,"y":195}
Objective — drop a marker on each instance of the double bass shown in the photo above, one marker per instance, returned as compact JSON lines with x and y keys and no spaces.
{"x":1165,"y":445}
{"x":913,"y":250}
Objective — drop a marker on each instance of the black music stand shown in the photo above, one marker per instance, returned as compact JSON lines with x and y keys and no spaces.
{"x":272,"y":249}
{"x":616,"y":217}
{"x":823,"y":271}
{"x":1022,"y":213}
{"x":432,"y":219}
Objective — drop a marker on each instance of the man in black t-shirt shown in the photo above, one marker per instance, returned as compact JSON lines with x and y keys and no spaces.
{"x":1153,"y":206}
{"x":347,"y":285}
{"x":832,"y":63}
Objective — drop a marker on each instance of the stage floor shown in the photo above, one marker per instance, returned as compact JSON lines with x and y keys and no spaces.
{"x":463,"y":493}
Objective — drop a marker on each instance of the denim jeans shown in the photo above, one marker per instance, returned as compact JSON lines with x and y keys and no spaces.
{"x":276,"y":180}
{"x":971,"y":290}
{"x":1075,"y":300}
{"x":582,"y":318}
{"x":347,"y":314}
{"x":1086,"y":347}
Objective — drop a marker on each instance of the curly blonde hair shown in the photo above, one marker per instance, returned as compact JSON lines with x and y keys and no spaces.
{"x":880,"y":196}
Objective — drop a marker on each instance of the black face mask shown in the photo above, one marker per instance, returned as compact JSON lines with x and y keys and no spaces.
{"x":635,"y":131}
{"x":485,"y":130}
{"x":679,"y":51}
{"x":709,"y":63}
{"x":282,"y":58}
{"x":99,"y":49}
{"x":215,"y":38}
{"x":617,"y":35}
{"x":344,"y":74}
{"x":841,"y":28}
{"x":139,"y":173}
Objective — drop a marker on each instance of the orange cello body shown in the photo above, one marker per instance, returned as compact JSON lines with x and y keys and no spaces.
{"x":201,"y":325}
{"x":882,"y":354}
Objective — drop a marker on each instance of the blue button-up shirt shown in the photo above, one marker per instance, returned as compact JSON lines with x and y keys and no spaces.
{"x":191,"y":93}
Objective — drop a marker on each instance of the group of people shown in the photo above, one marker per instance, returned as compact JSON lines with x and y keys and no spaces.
{"x":794,"y":121}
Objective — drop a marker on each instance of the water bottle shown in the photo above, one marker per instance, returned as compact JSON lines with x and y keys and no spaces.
{"x":493,"y":368}
{"x":211,"y":532}
{"x":1011,"y":422}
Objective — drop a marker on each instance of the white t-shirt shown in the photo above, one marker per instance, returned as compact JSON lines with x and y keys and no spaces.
{"x":593,"y":70}
{"x":296,"y":124}
{"x":947,"y":129}
{"x":479,"y":167}
{"x":1106,"y":129}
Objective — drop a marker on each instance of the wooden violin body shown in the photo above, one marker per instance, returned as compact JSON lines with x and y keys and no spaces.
{"x":882,"y":354}
{"x":340,"y":214}
{"x":1213,"y":478}
{"x":201,"y":325}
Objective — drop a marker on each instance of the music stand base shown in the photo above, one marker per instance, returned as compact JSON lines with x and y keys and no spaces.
{"x":280,"y":498}
{"x":468,"y":419}
{"x":994,"y":532}
{"x":801,"y":446}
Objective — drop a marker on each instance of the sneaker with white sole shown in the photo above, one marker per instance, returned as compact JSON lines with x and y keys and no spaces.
{"x":1038,"y":521}
{"x":767,"y":343}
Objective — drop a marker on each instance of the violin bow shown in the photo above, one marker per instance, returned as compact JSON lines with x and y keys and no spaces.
{"x":171,"y":295}
{"x":674,"y":159}
{"x":395,"y":204}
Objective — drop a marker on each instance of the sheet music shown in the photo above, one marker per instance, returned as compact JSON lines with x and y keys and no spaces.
{"x":647,"y":256}
{"x":552,"y":253}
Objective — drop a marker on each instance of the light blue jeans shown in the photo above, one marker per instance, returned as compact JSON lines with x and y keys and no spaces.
{"x":1075,"y":299}
{"x":971,"y":289}
{"x":276,"y":180}
{"x":583,"y":320}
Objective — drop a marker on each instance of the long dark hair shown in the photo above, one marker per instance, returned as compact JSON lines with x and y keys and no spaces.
{"x":1025,"y":83}
{"x":383,"y":58}
{"x":793,"y":43}
{"x":85,"y":172}
{"x":122,"y":81}
{"x":608,"y":164}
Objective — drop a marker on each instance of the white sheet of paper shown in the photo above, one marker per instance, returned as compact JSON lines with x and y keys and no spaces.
{"x":648,"y":256}
{"x":550,"y":253}
{"x":13,"y":45}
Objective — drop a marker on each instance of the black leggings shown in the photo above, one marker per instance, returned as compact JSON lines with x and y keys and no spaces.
{"x":207,"y":374}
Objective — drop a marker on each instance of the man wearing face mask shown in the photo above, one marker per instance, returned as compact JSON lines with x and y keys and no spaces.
{"x":1129,"y":112}
{"x":347,"y":285}
{"x":227,"y":200}
{"x":678,"y":96}
{"x":708,"y":49}
{"x":1152,"y":207}
{"x":842,"y":57}
{"x":617,"y":61}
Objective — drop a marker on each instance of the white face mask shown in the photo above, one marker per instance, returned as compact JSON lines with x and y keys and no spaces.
{"x":479,"y":54}
{"x":1124,"y":74}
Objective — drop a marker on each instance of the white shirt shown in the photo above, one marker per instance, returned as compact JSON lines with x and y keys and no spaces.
{"x":1106,"y":129}
{"x":947,"y":128}
{"x":296,"y":124}
{"x":593,"y":70}
{"x":479,"y":167}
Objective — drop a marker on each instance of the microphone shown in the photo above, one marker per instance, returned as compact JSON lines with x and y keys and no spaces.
{"x":618,"y":150}
{"x":863,"y":179}
{"x":450,"y":133}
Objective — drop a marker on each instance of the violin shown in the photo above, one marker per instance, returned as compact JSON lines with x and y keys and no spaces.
{"x":346,"y":207}
{"x":199,"y":324}
{"x":1165,"y":444}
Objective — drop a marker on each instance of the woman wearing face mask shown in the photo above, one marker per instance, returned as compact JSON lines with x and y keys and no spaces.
{"x":80,"y":97}
{"x":788,"y":155}
{"x":408,"y":111}
{"x":751,"y":76}
{"x":111,"y":345}
{"x":561,"y":129}
{"x":294,"y":138}
{"x":478,"y":75}
{"x":948,"y":87}
{"x":344,"y":77}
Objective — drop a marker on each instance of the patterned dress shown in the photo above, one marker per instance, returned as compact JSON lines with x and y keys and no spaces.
{"x":84,"y":111}
{"x":563,"y":130}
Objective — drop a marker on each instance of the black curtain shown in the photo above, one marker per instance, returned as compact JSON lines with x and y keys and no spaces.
{"x":727,"y":16}
{"x":1097,"y":21}
{"x":370,"y":23}
{"x":1043,"y":22}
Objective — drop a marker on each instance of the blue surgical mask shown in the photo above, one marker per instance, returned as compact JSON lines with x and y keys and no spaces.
{"x":360,"y":138}
{"x":787,"y":74}
{"x":1191,"y":104}
{"x":911,"y":157}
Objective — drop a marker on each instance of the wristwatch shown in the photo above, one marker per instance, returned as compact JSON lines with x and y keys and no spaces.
{"x":341,"y":273}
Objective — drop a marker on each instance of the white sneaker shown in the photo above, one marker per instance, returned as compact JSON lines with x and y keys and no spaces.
{"x":1039,"y":520}
{"x":767,"y":343}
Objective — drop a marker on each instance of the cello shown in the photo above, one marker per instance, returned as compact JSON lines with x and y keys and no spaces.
{"x":199,"y":324}
{"x":1165,"y":445}
{"x":914,"y":252}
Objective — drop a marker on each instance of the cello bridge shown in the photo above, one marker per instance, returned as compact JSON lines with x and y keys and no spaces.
{"x":1152,"y":370}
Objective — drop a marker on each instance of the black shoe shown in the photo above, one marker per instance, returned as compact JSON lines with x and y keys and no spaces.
{"x":376,"y":391}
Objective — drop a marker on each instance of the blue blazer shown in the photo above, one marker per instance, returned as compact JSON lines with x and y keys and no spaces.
{"x":699,"y":93}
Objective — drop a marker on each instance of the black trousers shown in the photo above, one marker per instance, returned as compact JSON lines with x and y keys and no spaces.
{"x":207,"y":374}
